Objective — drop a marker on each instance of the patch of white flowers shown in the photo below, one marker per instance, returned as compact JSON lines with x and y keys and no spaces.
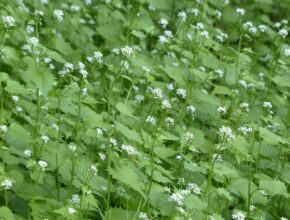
{"x":8,"y":21}
{"x":165,"y":105}
{"x":238,"y":216}
{"x":58,"y":15}
{"x":240,"y":11}
{"x":130,"y":150}
{"x":42,"y":164}
{"x":7,"y":184}
{"x":227,"y":132}
{"x":244,"y":106}
{"x":151,"y":120}
{"x":181,"y":93}
{"x":245,"y":130}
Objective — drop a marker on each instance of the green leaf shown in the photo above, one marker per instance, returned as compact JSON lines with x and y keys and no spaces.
{"x":14,"y":87}
{"x":125,"y":110}
{"x":222,"y":90}
{"x":6,"y":213}
{"x":3,"y":77}
{"x":129,"y":133}
{"x":193,"y":202}
{"x":128,"y":176}
{"x":271,"y":138}
{"x":274,"y":187}
{"x":118,"y":213}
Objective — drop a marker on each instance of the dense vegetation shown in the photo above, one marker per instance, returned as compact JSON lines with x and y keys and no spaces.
{"x":144,"y":109}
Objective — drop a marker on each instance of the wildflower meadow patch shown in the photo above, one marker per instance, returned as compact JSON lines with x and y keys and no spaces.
{"x":144,"y":109}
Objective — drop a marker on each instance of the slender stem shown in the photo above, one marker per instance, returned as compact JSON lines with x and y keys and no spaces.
{"x":238,"y":58}
{"x":1,"y":103}
{"x":58,"y":182}
{"x":37,"y":125}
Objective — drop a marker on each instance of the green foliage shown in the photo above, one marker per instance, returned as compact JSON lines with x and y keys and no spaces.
{"x":144,"y":109}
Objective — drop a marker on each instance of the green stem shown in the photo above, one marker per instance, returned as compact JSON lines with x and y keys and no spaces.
{"x":37,"y":125}
{"x":1,"y":103}
{"x":238,"y":58}
{"x":58,"y":182}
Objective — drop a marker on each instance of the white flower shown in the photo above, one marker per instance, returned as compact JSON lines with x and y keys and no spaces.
{"x":238,"y":216}
{"x":287,"y":52}
{"x":143,"y":216}
{"x":166,"y":105}
{"x":283,"y":33}
{"x":145,"y":69}
{"x":283,"y":218}
{"x":55,"y":126}
{"x":267,"y":105}
{"x":45,"y":2}
{"x":181,"y":210}
{"x":182,"y":15}
{"x":94,"y":169}
{"x":222,"y":37}
{"x":42,"y":164}
{"x":194,"y":188}
{"x":188,"y":137}
{"x":19,"y":109}
{"x":99,"y":131}
{"x":151,"y":120}
{"x":85,"y":91}
{"x":162,"y":39}
{"x":58,"y":15}
{"x":3,"y":128}
{"x":245,"y":130}
{"x":216,"y":157}
{"x":72,"y":147}
{"x":15,"y":98}
{"x":168,"y":33}
{"x":177,"y":197}
{"x":102,"y":156}
{"x":33,"y":41}
{"x":163,"y":22}
{"x":263,"y":192}
{"x":27,"y":153}
{"x":169,"y":121}
{"x":7,"y":183}
{"x":170,"y":86}
{"x":29,"y":29}
{"x":44,"y":138}
{"x":191,"y":109}
{"x":98,"y":56}
{"x":74,"y":8}
{"x":243,"y":83}
{"x":262,"y":28}
{"x":219,"y":72}
{"x":71,"y":211}
{"x":178,"y":157}
{"x":227,"y":132}
{"x":252,"y":208}
{"x":125,"y":65}
{"x":38,"y":13}
{"x":181,"y":93}
{"x":157,"y":93}
{"x":199,"y":26}
{"x":194,"y":11}
{"x":204,"y":34}
{"x":128,"y":51}
{"x":75,"y":199}
{"x":240,"y":11}
{"x":8,"y":21}
{"x":90,"y":59}
{"x":47,"y":60}
{"x":130,"y":150}
{"x":139,"y":98}
{"x":222,"y":110}
{"x":218,"y":14}
{"x":113,"y":141}
{"x":244,"y":106}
